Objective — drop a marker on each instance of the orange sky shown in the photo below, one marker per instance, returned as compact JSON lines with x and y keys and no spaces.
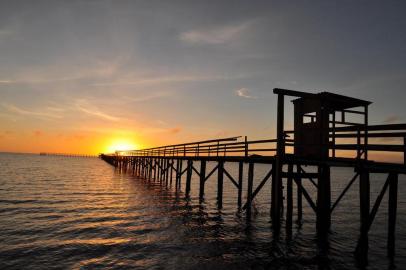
{"x":89,"y":76}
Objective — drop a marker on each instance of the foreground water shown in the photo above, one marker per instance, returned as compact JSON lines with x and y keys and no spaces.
{"x":79,"y":213}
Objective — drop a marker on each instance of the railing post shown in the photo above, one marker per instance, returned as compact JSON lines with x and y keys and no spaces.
{"x":404,"y":150}
{"x":246,"y":147}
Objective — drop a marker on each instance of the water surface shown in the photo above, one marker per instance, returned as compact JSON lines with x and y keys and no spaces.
{"x":81,"y":213}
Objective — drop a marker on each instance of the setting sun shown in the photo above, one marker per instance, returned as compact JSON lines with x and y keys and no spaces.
{"x":121,"y":145}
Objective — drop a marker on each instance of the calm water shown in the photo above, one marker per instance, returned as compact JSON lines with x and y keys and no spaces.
{"x":79,"y":213}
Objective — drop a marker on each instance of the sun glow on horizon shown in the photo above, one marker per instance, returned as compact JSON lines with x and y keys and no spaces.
{"x":121,"y":145}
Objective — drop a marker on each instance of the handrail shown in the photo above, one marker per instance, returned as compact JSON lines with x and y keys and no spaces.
{"x":244,"y":148}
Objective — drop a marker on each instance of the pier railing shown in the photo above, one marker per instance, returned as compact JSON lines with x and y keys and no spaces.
{"x":217,"y":147}
{"x":392,"y":139}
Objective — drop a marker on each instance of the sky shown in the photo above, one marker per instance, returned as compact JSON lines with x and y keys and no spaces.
{"x":87,"y":76}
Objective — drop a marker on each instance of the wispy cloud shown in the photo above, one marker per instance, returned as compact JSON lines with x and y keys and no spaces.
{"x":41,"y":114}
{"x":213,"y":36}
{"x":6,"y":81}
{"x":244,"y":93}
{"x":168,"y":79}
{"x":84,"y":106}
{"x":143,"y":98}
{"x":392,"y":119}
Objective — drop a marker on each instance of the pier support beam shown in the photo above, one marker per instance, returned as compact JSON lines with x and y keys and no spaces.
{"x":202,"y":179}
{"x":289,"y":202}
{"x":276,"y":195}
{"x":188,"y":176}
{"x":364,"y":197}
{"x":392,"y":207}
{"x":240,"y":176}
{"x":323,"y":200}
{"x":220,"y":177}
{"x":249,"y":189}
{"x":299,"y":195}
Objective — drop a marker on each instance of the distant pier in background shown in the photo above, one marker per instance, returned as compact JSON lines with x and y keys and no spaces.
{"x":329,"y":131}
{"x":67,"y":155}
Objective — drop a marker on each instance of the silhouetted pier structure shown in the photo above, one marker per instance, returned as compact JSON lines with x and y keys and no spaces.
{"x":67,"y":155}
{"x":329,"y":131}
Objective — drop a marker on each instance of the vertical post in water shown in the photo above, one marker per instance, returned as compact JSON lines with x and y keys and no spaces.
{"x":323,"y":200}
{"x":240,"y":175}
{"x":167,"y":172}
{"x":133,"y":164}
{"x":299,"y":195}
{"x":150,"y":168}
{"x":289,"y":202}
{"x":364,"y":196}
{"x":392,"y":207}
{"x":277,"y":172}
{"x":220,"y":177}
{"x":171,"y":172}
{"x":155,"y":169}
{"x":202,"y":178}
{"x":180,"y":174}
{"x":188,"y":176}
{"x":249,"y":189}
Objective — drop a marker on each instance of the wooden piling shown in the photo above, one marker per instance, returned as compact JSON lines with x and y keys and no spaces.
{"x":364,"y":197}
{"x":392,"y":208}
{"x":240,"y":177}
{"x":202,"y":179}
{"x":323,"y":200}
{"x":299,"y":195}
{"x":249,"y":190}
{"x":276,"y":195}
{"x":188,"y":176}
{"x":220,"y":176}
{"x":289,"y":201}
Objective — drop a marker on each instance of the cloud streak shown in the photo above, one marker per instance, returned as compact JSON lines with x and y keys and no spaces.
{"x":85,"y":107}
{"x":214,"y":36}
{"x":20,"y":111}
{"x":244,"y":93}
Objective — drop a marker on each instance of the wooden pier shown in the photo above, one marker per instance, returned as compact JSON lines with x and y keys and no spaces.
{"x":67,"y":155}
{"x":329,"y":131}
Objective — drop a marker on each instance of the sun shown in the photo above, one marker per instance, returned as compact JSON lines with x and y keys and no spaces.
{"x":121,"y":145}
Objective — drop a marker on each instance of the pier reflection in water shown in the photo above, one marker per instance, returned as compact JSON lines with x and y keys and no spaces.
{"x":71,"y":213}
